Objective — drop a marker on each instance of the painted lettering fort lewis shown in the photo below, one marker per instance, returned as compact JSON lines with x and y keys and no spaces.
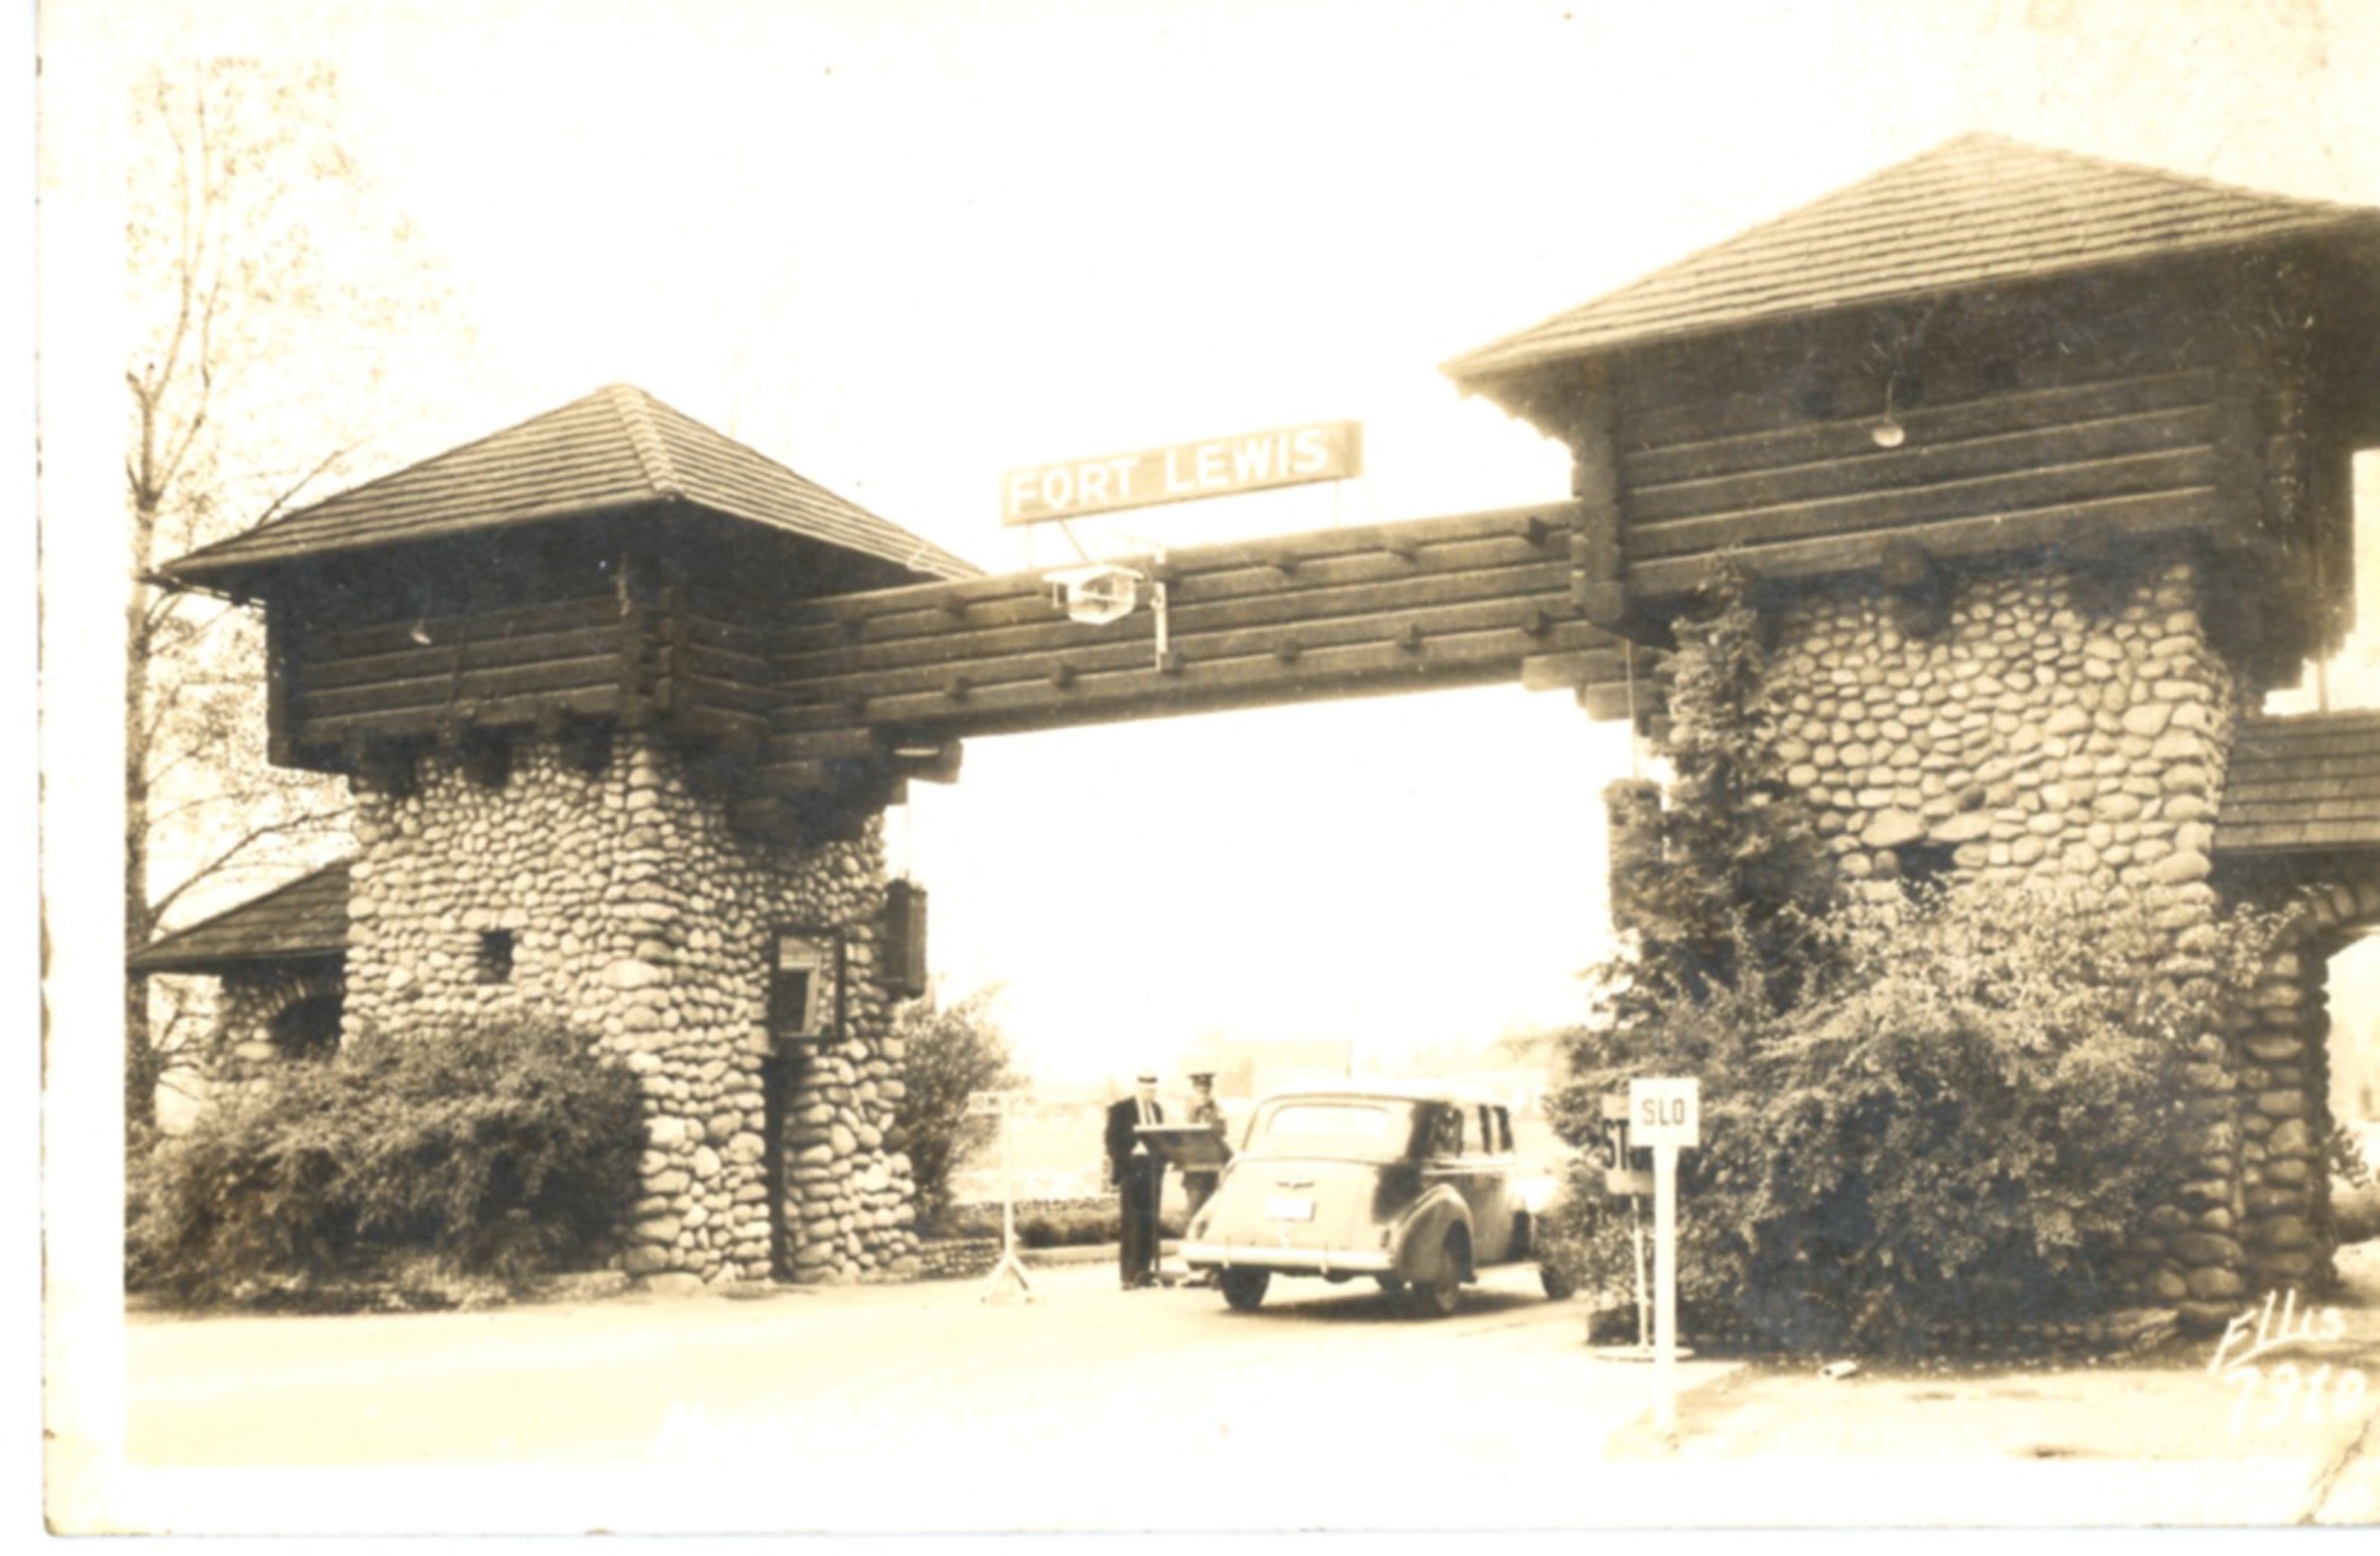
{"x":1211,"y":467}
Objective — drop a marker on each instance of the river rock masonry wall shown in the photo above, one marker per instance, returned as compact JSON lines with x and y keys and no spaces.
{"x":610,"y":893}
{"x":2044,"y":725}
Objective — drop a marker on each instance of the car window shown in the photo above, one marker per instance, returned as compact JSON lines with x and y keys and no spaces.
{"x":1364,"y":1131}
{"x":1446,"y":1132}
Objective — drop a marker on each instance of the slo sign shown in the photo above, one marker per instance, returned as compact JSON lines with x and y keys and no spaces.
{"x":1665,"y":1111}
{"x":1252,"y":462}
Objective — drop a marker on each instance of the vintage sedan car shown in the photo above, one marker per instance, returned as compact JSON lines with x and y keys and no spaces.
{"x":1415,"y":1188}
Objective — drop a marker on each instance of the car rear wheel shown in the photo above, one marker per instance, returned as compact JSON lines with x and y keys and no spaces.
{"x":1244,"y":1289}
{"x":1436,"y":1294}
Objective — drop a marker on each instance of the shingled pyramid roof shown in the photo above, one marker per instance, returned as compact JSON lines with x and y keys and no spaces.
{"x":2309,"y":781}
{"x":616,"y":449}
{"x":304,"y":920}
{"x":1974,"y":210}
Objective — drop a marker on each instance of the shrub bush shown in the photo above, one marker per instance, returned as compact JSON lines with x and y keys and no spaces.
{"x":504,"y":1150}
{"x":1964,"y":1126}
{"x":952,"y":1052}
{"x":1050,"y":1223}
{"x":1948,"y":1108}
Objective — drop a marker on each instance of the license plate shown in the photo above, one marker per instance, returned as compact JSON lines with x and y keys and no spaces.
{"x":1281,"y":1208}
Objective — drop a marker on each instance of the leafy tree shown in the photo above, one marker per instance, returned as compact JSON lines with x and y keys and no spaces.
{"x":1723,"y":918}
{"x":282,"y":316}
{"x":952,"y":1052}
{"x":1746,"y":873}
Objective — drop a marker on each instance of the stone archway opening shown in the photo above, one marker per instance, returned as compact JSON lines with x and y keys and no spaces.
{"x":2352,"y":977}
{"x":2289,"y":1079}
{"x":273,"y":1016}
{"x":308,"y":1029}
{"x":1125,"y":940}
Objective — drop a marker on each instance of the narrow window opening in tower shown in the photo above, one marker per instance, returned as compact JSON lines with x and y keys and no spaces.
{"x":496,"y":956}
{"x":1925,"y":863}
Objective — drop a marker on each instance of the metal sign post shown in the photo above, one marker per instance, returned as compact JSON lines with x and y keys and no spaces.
{"x":1666,"y":1113}
{"x":1010,"y":1268}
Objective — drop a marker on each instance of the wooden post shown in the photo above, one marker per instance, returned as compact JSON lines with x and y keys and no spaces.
{"x":934,"y":763}
{"x":1920,"y":589}
{"x":280,"y":694}
{"x":1598,"y":588}
{"x":485,"y":756}
{"x":671,"y":650}
{"x":586,"y":744}
{"x":635,"y":709}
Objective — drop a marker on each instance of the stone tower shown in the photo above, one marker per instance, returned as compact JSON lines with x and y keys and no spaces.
{"x":539,"y":663}
{"x":2043,"y":465}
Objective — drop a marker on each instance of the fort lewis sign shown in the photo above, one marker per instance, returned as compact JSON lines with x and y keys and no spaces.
{"x":1213,"y":467}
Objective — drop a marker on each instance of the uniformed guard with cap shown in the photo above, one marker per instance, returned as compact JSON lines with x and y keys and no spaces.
{"x":1198,"y":1184}
{"x":1139,"y":1175}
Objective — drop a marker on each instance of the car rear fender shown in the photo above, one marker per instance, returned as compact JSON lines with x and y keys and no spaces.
{"x":1421,"y":1237}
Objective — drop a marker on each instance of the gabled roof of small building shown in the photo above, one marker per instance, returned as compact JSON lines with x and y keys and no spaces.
{"x":1975,"y":210}
{"x":615,"y":450}
{"x":304,"y":921}
{"x":2311,"y":781}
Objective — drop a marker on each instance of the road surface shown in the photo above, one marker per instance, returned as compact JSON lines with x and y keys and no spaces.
{"x":912,"y":1408}
{"x":921,"y":1409}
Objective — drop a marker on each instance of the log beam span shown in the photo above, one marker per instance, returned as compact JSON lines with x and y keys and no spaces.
{"x":1443,"y":602}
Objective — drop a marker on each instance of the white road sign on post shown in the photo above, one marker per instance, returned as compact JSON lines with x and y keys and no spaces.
{"x":1666,"y":1113}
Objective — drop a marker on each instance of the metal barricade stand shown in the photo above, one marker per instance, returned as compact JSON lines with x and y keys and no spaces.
{"x":1010,"y":1269}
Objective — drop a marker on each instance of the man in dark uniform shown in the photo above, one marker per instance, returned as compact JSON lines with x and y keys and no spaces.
{"x":1198,"y":1186}
{"x":1139,"y":1175}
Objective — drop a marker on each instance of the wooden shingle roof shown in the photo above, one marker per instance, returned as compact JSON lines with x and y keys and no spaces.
{"x":304,"y":921}
{"x":2300,"y":784}
{"x":615,"y":450}
{"x":1975,"y":210}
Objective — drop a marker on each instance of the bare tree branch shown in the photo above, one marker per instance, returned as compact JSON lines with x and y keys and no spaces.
{"x":272,"y":510}
{"x":259,"y":833}
{"x":274,"y":287}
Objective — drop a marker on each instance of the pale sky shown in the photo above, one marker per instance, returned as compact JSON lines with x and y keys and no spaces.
{"x":904,"y":247}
